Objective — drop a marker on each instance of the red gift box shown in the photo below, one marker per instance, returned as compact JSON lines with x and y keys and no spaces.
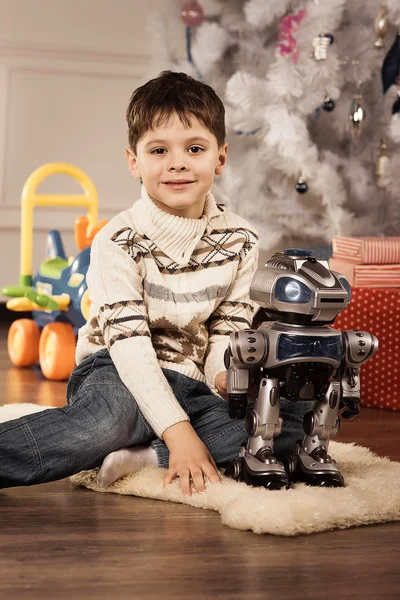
{"x":371,"y":276}
{"x":367,"y":250}
{"x":377,"y":311}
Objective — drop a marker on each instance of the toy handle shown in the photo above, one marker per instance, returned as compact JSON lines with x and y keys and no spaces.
{"x":84,"y":233}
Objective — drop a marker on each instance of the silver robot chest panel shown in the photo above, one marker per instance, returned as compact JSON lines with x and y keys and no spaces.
{"x":300,"y":344}
{"x":303,"y":360}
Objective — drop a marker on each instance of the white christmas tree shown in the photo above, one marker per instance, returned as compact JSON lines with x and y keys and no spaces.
{"x":312,"y":139}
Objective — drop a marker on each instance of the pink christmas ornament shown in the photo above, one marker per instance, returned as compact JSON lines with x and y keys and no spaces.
{"x":287,"y":42}
{"x":192,"y":14}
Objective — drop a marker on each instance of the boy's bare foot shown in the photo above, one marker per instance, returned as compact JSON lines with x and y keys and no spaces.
{"x":125,"y":461}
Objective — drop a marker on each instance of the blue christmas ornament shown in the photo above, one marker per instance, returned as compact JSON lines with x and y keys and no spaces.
{"x":391,"y":66}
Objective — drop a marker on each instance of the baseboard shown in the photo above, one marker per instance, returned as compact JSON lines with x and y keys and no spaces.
{"x":8,"y":316}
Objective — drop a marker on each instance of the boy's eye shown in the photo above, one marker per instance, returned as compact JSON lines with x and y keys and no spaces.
{"x":195,"y":149}
{"x":192,"y":150}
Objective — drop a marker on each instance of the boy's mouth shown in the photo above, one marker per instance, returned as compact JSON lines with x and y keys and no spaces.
{"x":178,"y":183}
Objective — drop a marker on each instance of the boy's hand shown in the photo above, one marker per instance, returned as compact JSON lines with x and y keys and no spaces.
{"x":189,"y":458}
{"x":220,"y":384}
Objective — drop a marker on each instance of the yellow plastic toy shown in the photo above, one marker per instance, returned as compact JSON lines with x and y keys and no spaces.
{"x":58,"y":294}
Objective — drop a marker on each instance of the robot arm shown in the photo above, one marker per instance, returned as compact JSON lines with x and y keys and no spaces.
{"x":247,"y":349}
{"x":358,"y":347}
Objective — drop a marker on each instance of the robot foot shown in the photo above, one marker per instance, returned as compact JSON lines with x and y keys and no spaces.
{"x":316,"y":469}
{"x":239,"y":469}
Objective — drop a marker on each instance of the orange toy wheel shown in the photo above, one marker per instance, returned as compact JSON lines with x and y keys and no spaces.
{"x":57,"y":351}
{"x":23,"y":343}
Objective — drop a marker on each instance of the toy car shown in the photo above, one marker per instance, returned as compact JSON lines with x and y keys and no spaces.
{"x":57,"y":295}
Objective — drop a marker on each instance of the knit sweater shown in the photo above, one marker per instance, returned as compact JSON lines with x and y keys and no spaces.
{"x":166,"y":292}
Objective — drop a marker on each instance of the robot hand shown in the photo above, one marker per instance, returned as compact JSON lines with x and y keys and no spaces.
{"x":237,"y":404}
{"x":351,"y":407}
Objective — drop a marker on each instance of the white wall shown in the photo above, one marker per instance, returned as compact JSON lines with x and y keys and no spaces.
{"x":67,"y":70}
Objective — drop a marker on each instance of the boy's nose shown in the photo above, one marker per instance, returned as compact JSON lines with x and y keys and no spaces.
{"x":177,"y":162}
{"x":177,"y":167}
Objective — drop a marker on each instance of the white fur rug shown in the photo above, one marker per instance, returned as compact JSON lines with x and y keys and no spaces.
{"x":371,"y":495}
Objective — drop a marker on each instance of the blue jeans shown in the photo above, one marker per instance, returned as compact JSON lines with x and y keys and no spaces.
{"x":102,"y":416}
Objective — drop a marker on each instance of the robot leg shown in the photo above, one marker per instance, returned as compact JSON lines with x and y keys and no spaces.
{"x":258,"y":465}
{"x":311,"y":462}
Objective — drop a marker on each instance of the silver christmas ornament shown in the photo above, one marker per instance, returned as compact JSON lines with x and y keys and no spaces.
{"x":321,"y":45}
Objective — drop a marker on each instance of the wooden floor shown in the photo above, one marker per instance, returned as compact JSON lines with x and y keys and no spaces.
{"x":61,"y":542}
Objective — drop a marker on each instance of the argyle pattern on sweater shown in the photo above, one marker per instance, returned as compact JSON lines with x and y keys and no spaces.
{"x":121,"y":320}
{"x":214,"y":250}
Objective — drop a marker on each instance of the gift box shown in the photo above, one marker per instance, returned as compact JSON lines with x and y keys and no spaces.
{"x":367,"y":276}
{"x":367,"y":250}
{"x":377,"y":311}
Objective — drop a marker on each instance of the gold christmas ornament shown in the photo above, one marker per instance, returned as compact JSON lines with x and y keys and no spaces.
{"x":357,"y":115}
{"x":381,"y":25}
{"x":381,"y":162}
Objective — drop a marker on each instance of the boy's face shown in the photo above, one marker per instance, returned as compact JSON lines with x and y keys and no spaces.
{"x":177,"y":165}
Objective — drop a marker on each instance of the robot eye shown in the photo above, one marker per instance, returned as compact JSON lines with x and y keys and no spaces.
{"x":346,"y":286}
{"x":292,"y":290}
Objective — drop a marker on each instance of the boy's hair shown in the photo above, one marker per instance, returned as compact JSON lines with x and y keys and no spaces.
{"x":153,"y":103}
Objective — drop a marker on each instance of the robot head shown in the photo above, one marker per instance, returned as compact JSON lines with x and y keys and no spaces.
{"x":295,"y":287}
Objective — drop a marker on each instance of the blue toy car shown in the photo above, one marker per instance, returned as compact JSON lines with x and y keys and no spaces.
{"x":57,"y":295}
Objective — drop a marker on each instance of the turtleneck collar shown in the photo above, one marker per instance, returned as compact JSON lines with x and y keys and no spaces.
{"x":177,"y":237}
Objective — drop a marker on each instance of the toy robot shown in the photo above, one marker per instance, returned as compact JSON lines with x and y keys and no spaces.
{"x":298,"y":357}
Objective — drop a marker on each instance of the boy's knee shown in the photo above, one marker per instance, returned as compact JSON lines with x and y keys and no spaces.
{"x":103,"y":406}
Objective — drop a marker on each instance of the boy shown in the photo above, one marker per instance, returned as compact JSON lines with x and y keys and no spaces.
{"x":169,"y":280}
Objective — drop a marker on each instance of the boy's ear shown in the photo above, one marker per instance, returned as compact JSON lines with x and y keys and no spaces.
{"x":222,"y":152}
{"x":132,"y":163}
